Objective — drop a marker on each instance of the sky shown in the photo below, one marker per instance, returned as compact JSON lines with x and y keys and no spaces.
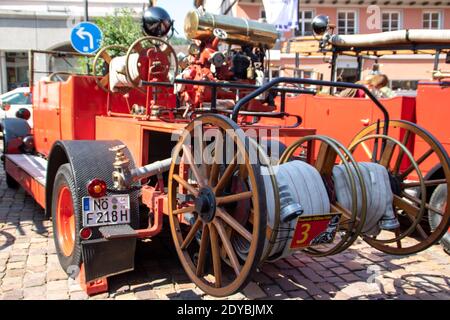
{"x":177,"y":10}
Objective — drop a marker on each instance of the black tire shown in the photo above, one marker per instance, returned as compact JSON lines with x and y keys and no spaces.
{"x":11,"y":182}
{"x":64,"y":178}
{"x":439,"y":200}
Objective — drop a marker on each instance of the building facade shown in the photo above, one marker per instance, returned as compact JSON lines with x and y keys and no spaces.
{"x":361,"y":17}
{"x":43,"y":25}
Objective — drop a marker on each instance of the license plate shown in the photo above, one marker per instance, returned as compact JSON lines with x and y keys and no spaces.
{"x":315,"y":230}
{"x":106,"y":210}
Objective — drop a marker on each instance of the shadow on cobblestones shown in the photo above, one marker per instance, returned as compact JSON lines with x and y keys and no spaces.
{"x":7,"y":239}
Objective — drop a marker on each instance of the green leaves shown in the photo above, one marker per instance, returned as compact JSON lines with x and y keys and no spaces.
{"x":124,"y":27}
{"x":121,"y":28}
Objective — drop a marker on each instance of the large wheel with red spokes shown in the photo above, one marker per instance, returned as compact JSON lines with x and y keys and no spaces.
{"x":410,"y":203}
{"x":66,"y":219}
{"x":217,"y":207}
{"x":152,"y":47}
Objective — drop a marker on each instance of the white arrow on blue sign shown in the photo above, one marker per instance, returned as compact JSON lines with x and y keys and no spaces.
{"x":86,"y":37}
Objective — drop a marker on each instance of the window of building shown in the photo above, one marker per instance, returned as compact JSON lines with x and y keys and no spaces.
{"x":431,"y":20}
{"x":274,"y":73}
{"x":17,"y":69}
{"x":263,"y":14}
{"x":305,"y":18}
{"x":404,"y":85}
{"x":347,"y":22}
{"x":390,"y":21}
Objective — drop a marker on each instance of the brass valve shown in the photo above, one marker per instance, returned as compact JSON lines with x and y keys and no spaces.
{"x":121,"y":159}
{"x":121,"y":173}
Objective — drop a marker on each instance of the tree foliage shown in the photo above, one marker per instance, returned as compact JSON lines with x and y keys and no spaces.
{"x":120,"y":28}
{"x":124,"y":27}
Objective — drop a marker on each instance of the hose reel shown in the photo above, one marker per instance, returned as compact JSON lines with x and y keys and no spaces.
{"x":319,"y":179}
{"x":362,"y":191}
{"x":124,"y":72}
{"x":301,"y":192}
{"x":379,"y":196}
{"x":411,"y":191}
{"x":163,"y":61}
{"x":392,"y":222}
{"x":296,"y":189}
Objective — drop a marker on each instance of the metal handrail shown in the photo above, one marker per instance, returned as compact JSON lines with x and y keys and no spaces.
{"x":242,"y":102}
{"x":223,"y":84}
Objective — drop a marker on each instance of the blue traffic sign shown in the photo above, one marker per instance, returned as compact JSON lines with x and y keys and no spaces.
{"x":86,"y":37}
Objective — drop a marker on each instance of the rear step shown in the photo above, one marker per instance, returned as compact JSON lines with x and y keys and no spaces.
{"x":118,"y":231}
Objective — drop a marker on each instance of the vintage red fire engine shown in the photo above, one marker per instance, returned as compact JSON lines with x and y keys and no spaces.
{"x":147,"y":137}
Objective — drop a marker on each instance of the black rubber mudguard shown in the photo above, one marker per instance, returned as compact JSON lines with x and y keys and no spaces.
{"x":108,"y":257}
{"x":89,"y":160}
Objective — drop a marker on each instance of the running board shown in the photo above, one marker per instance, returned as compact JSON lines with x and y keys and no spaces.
{"x":30,"y":172}
{"x":32,"y":165}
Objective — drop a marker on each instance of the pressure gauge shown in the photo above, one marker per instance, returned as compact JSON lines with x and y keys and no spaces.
{"x":217,"y":59}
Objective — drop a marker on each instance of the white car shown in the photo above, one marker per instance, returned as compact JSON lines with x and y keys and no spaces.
{"x":13,"y":101}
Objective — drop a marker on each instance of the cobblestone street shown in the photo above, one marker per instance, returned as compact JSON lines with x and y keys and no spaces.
{"x":29,"y":268}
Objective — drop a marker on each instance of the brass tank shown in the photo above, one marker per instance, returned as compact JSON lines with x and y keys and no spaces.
{"x":200,"y":25}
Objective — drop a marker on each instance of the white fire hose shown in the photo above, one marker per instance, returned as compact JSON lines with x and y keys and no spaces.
{"x":307,"y":190}
{"x":379,"y":195}
{"x":117,"y":73}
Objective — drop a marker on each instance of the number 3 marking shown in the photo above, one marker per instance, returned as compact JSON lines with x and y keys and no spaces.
{"x":305,"y":229}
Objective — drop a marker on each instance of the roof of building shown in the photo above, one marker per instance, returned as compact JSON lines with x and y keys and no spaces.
{"x":416,"y":41}
{"x":365,"y":3}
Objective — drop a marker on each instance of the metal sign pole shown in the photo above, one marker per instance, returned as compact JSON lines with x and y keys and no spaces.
{"x":86,"y":11}
{"x":86,"y":18}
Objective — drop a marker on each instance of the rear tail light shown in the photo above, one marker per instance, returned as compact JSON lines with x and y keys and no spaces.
{"x":97,"y":188}
{"x":86,"y":233}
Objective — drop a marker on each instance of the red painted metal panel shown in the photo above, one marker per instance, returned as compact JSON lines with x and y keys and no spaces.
{"x":433,"y":114}
{"x":46,"y":106}
{"x":342,"y":118}
{"x":67,"y":110}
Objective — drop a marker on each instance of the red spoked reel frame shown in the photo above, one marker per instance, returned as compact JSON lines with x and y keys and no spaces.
{"x":157,"y":62}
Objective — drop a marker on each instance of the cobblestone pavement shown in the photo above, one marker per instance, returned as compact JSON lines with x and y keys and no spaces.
{"x":29,"y":268}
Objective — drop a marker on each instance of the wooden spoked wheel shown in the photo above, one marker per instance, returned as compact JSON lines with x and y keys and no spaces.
{"x":101,"y":71}
{"x":352,"y":221}
{"x":217,"y":205}
{"x":152,"y":46}
{"x":410,"y":200}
